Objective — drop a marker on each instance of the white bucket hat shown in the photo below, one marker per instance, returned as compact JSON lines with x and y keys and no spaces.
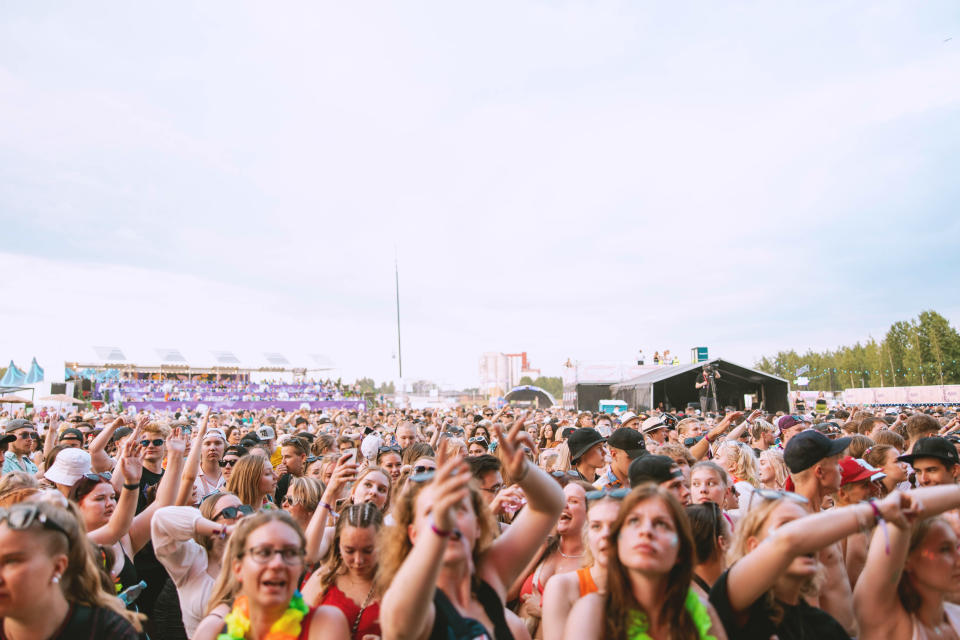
{"x":69,"y":467}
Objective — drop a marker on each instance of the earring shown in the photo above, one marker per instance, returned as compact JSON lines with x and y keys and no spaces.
{"x":56,"y":579}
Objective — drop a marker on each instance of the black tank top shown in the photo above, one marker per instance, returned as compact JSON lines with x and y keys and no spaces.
{"x":448,"y":624}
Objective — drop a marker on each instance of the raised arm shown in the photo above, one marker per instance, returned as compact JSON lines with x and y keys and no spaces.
{"x":317,"y":542}
{"x":50,"y":440}
{"x":511,"y":552}
{"x":129,"y":468}
{"x":875,"y":597}
{"x":700,"y":448}
{"x":755,"y":573}
{"x":99,"y":460}
{"x":166,"y":491}
{"x":407,"y":607}
{"x":192,"y":465}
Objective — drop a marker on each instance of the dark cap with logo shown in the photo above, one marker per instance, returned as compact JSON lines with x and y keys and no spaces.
{"x":807,"y":448}
{"x":629,"y":440}
{"x":652,"y":468}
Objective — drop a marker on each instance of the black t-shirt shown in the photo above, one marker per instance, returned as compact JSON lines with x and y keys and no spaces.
{"x":283,"y":484}
{"x":148,"y":566}
{"x":800,"y":622}
{"x":86,"y":623}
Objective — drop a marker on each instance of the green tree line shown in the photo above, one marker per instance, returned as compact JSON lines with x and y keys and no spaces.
{"x":551,"y":384}
{"x":921,"y":351}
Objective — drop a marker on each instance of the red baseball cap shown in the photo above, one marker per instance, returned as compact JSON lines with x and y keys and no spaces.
{"x":852,"y":471}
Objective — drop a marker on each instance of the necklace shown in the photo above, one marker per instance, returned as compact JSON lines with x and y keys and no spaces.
{"x":571,"y":556}
{"x":286,"y":627}
{"x":363,"y":607}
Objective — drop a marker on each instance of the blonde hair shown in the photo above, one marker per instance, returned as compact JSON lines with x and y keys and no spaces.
{"x":744,"y":461}
{"x":244,"y":482}
{"x":306,"y":491}
{"x":208,"y":509}
{"x":774,"y":458}
{"x":162,"y":430}
{"x":226,"y":587}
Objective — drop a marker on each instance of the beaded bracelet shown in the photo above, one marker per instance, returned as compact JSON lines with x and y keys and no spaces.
{"x":330,"y":509}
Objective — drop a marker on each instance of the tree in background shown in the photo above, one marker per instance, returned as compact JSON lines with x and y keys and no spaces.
{"x":924,"y":350}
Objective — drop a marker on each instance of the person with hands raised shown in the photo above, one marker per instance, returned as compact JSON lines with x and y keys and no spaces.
{"x":441,"y":564}
{"x":774,"y":562}
{"x":912,"y":567}
{"x":699,"y":450}
{"x":320,"y":529}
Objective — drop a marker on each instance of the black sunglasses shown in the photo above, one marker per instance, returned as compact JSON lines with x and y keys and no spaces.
{"x":157,"y":442}
{"x":28,"y":435}
{"x":233,"y":512}
{"x":228,"y":463}
{"x":420,"y":470}
{"x":97,"y":477}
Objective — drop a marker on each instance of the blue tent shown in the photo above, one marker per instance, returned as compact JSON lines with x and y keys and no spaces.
{"x":14,"y":376}
{"x":35,"y":374}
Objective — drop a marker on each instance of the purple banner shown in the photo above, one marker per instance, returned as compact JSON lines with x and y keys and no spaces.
{"x":239,"y":405}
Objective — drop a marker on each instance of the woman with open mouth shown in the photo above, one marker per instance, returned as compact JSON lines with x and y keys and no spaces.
{"x":256,"y":597}
{"x":441,"y":564}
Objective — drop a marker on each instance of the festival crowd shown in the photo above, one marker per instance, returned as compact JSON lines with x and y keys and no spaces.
{"x":480,"y":523}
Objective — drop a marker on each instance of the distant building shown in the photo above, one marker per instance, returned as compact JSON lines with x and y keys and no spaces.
{"x":500,"y":372}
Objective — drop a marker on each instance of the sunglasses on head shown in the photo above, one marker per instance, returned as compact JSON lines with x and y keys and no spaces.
{"x":478,"y":440}
{"x":22,"y":516}
{"x":614,"y":494}
{"x":233,"y":512}
{"x":389,"y":449}
{"x":776,"y":494}
{"x":157,"y":442}
{"x":311,"y":459}
{"x":570,"y":473}
{"x":97,"y":477}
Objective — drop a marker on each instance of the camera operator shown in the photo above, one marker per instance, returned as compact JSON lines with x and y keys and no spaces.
{"x":705,"y":388}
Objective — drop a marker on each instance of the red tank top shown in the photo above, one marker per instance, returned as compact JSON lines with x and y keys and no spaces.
{"x":369,"y":619}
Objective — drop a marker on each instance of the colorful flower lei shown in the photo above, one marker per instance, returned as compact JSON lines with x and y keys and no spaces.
{"x":639,"y":623}
{"x":287,"y":626}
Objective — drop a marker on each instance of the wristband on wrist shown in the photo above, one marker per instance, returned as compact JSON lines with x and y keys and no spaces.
{"x":437,"y":530}
{"x":133,"y":486}
{"x":330,"y":509}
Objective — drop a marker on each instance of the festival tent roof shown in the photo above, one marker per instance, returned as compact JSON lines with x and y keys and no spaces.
{"x":14,"y":377}
{"x":530,"y":393}
{"x":674,"y":386}
{"x":173,"y":358}
{"x":35,"y":374}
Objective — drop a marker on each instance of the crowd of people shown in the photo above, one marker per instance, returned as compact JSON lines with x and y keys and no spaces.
{"x":198,"y":390}
{"x":480,"y":523}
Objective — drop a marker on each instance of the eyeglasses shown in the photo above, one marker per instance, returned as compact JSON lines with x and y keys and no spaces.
{"x":21,"y":516}
{"x":613,"y":494}
{"x":157,"y":442}
{"x":262,"y":555}
{"x":97,"y":477}
{"x":776,"y":494}
{"x":233,"y":512}
{"x":228,"y":463}
{"x":391,"y":449}
{"x":421,"y":469}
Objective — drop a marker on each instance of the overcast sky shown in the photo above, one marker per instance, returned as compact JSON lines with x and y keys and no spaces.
{"x":573,"y":179}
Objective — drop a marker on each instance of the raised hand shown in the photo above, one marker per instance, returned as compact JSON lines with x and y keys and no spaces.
{"x":514,"y":460}
{"x":176,"y":443}
{"x":450,"y":482}
{"x":508,"y":500}
{"x":130,"y":464}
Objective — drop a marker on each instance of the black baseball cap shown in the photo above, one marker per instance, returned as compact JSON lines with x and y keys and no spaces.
{"x":934,"y":447}
{"x":629,"y":440}
{"x":71,"y":434}
{"x":306,"y":435}
{"x":809,"y":447}
{"x":581,"y":440}
{"x":236,"y":450}
{"x":121,"y":432}
{"x":652,"y":468}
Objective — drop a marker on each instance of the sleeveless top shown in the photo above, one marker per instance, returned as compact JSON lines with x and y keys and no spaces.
{"x":448,"y":624}
{"x":369,"y":623}
{"x":950,"y":610}
{"x":587,"y":585}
